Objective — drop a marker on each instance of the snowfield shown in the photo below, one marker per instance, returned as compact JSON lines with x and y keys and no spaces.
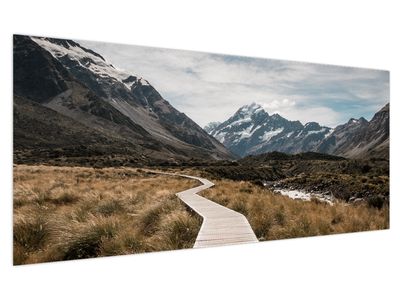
{"x":270,"y":134}
{"x":89,"y":61}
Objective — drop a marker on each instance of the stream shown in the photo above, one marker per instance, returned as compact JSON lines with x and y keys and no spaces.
{"x":304,"y":196}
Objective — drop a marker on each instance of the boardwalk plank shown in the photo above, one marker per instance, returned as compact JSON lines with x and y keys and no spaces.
{"x":221,"y":225}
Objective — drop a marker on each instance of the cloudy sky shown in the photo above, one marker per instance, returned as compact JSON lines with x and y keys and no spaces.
{"x":211,"y":87}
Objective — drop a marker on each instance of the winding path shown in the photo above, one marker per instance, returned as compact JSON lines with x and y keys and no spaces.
{"x":221,"y":225}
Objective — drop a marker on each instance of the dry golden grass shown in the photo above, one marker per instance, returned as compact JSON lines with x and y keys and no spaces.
{"x":63,"y":213}
{"x":274,"y":216}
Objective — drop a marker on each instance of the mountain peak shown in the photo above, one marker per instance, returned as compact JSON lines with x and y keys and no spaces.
{"x":70,"y":43}
{"x":312,"y":126}
{"x":253,"y":105}
{"x":360,"y":121}
{"x":276,"y":116}
{"x":78,"y":57}
{"x":143,"y":81}
{"x":363,"y":120}
{"x":352,"y":120}
{"x":130,"y":79}
{"x":385,"y":108}
{"x":252,"y":130}
{"x":251,"y":109}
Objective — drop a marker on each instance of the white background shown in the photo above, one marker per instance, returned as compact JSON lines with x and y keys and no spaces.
{"x":350,"y":266}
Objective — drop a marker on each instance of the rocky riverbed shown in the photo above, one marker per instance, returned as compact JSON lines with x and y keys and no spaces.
{"x":306,"y":196}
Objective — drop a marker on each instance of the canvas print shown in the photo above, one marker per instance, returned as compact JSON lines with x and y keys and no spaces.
{"x":122,"y":149}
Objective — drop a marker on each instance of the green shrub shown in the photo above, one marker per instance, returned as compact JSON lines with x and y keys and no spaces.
{"x":376,"y":201}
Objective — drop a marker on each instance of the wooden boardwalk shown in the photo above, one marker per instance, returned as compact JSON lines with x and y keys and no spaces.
{"x":221,"y":225}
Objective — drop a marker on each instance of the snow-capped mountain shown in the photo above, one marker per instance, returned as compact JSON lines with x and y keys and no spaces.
{"x":79,"y":84}
{"x":251,"y":130}
{"x":211,"y":126}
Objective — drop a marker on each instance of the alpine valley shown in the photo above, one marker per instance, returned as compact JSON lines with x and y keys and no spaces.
{"x":104,"y":165}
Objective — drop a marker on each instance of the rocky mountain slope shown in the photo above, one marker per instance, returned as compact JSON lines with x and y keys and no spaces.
{"x":251,"y":130}
{"x":360,"y":138}
{"x":94,"y":105}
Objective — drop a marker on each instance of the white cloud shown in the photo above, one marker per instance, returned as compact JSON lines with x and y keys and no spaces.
{"x":277,"y":105}
{"x":323,"y":115}
{"x":209,"y":87}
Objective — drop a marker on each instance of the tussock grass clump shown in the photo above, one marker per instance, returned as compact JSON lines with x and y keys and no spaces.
{"x":30,"y":231}
{"x":64,"y":213}
{"x":151,"y":217}
{"x":239,"y":206}
{"x":85,"y":240}
{"x":41,"y":197}
{"x":273,"y":216}
{"x":110,"y":207}
{"x":180,"y":230}
{"x":133,"y":243}
{"x":65,"y":198}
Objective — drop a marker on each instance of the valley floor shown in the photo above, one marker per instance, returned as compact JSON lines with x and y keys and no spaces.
{"x":63,"y":213}
{"x":273,"y":216}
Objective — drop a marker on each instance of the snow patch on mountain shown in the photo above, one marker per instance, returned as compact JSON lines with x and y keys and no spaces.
{"x":316,"y":131}
{"x":240,"y":122}
{"x":84,"y":58}
{"x":330,"y":131}
{"x":256,"y":128}
{"x":270,"y":134}
{"x":244,"y":134}
{"x":143,"y":81}
{"x":89,"y":60}
{"x":220,"y":136}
